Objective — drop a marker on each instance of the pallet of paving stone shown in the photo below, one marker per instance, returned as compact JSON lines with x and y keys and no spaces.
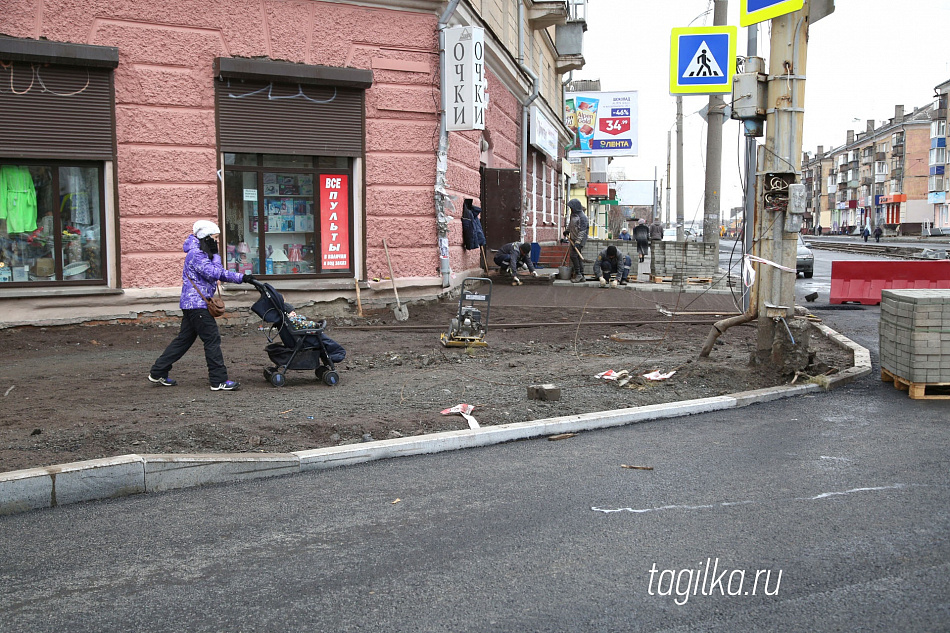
{"x":918,"y":390}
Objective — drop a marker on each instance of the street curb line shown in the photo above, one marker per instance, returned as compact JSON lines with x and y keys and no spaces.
{"x":35,"y":488}
{"x":861,"y":359}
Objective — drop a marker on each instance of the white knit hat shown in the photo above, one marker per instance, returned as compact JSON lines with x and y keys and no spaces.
{"x":204,"y":228}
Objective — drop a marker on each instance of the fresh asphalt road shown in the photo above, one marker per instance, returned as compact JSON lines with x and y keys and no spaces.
{"x":847,"y":494}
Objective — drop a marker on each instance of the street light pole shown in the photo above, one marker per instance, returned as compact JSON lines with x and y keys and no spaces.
{"x":668,"y":184}
{"x":714,"y":119}
{"x":752,"y":49}
{"x":680,"y":213}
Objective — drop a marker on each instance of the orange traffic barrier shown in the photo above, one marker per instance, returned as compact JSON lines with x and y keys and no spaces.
{"x":863,"y":281}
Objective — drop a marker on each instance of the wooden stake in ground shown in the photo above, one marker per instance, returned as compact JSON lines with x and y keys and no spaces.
{"x":401,"y":312}
{"x":484,"y":257}
{"x":359,"y":304}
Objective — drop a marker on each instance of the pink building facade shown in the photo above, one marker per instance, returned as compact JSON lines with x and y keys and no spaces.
{"x":307,"y":130}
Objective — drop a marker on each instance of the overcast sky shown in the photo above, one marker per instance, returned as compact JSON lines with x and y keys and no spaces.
{"x":865,"y":58}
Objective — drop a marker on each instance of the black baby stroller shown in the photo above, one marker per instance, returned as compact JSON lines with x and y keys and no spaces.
{"x":303,"y":344}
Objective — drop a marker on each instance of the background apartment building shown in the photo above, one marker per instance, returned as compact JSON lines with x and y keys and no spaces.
{"x":938,"y":183}
{"x":879,"y":177}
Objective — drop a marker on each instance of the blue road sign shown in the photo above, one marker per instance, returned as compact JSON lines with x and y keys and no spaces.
{"x":754,"y":11}
{"x":702,"y":59}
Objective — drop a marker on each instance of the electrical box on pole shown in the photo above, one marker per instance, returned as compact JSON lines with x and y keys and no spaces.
{"x":749,"y":96}
{"x":795,"y":212}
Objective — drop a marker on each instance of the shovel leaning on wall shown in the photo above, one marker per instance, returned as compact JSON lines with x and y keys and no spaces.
{"x":401,"y":312}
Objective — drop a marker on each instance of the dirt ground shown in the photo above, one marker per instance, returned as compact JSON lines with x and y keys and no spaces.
{"x":77,"y":392}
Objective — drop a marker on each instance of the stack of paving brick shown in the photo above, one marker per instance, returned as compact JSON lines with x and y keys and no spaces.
{"x":915,"y":335}
{"x":690,"y":259}
{"x":593,"y":248}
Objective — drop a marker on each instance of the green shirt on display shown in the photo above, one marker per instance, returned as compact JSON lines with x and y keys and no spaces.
{"x":17,"y":199}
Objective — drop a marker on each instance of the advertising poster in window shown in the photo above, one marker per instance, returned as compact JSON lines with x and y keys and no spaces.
{"x":603,"y":123}
{"x":335,"y":222}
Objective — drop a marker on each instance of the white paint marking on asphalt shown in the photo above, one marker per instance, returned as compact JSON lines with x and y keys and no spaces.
{"x":725,"y":504}
{"x":641,"y":511}
{"x":825,"y":495}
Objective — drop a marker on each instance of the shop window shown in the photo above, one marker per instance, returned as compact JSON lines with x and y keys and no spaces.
{"x":288,"y":215}
{"x":51,"y":218}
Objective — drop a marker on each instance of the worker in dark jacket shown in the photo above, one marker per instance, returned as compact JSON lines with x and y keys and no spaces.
{"x":641,"y":233}
{"x":512,"y":255}
{"x":577,"y":229}
{"x":612,"y":265}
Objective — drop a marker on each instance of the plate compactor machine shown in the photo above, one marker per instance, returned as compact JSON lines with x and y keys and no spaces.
{"x":469,"y":326}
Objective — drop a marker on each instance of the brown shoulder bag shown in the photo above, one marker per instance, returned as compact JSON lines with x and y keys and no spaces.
{"x":215,"y":303}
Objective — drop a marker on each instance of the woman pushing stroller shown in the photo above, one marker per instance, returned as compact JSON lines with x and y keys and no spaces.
{"x":201,"y":273}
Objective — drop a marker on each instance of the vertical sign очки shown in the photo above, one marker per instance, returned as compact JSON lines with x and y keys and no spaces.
{"x":464,"y":95}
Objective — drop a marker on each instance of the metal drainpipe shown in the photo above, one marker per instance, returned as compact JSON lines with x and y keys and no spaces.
{"x":442,"y":158}
{"x":536,"y":91}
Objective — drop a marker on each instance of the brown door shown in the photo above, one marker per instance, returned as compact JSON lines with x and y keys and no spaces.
{"x":501,"y":206}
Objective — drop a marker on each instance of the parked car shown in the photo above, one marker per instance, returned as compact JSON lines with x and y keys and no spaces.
{"x":669,"y":235}
{"x":805,"y":261}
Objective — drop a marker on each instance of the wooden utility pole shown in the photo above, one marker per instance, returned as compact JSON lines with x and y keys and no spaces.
{"x":779,"y":166}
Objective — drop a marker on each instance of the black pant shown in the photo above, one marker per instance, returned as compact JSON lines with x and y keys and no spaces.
{"x":194,"y":324}
{"x":576,"y":263}
{"x":502,"y":260}
{"x":643,"y":249}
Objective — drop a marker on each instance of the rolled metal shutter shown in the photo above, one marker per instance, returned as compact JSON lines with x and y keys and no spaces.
{"x":54,"y":111}
{"x":273,"y":118}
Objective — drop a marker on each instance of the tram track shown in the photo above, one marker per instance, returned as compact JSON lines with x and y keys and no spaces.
{"x":883,"y":250}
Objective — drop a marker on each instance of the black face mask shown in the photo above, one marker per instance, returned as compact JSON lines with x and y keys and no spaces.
{"x":209,"y":245}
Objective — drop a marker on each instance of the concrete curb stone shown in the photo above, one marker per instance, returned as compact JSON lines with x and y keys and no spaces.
{"x":173,"y":470}
{"x":34,"y":488}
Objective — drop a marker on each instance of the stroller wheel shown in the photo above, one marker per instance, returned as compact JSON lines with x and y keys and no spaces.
{"x":268,"y":372}
{"x":321,"y":370}
{"x":331,"y":378}
{"x":277,"y":379}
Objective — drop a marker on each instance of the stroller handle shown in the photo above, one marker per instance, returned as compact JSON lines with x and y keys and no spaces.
{"x":258,"y":285}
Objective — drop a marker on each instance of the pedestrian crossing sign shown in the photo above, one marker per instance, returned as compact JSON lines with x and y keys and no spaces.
{"x":755,"y":11}
{"x":702,"y":59}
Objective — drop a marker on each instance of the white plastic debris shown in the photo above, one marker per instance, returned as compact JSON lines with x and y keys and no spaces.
{"x":658,"y":375}
{"x":610,"y":374}
{"x":465,"y":411}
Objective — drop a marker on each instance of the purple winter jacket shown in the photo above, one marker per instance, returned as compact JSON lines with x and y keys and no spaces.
{"x":204,"y":272}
